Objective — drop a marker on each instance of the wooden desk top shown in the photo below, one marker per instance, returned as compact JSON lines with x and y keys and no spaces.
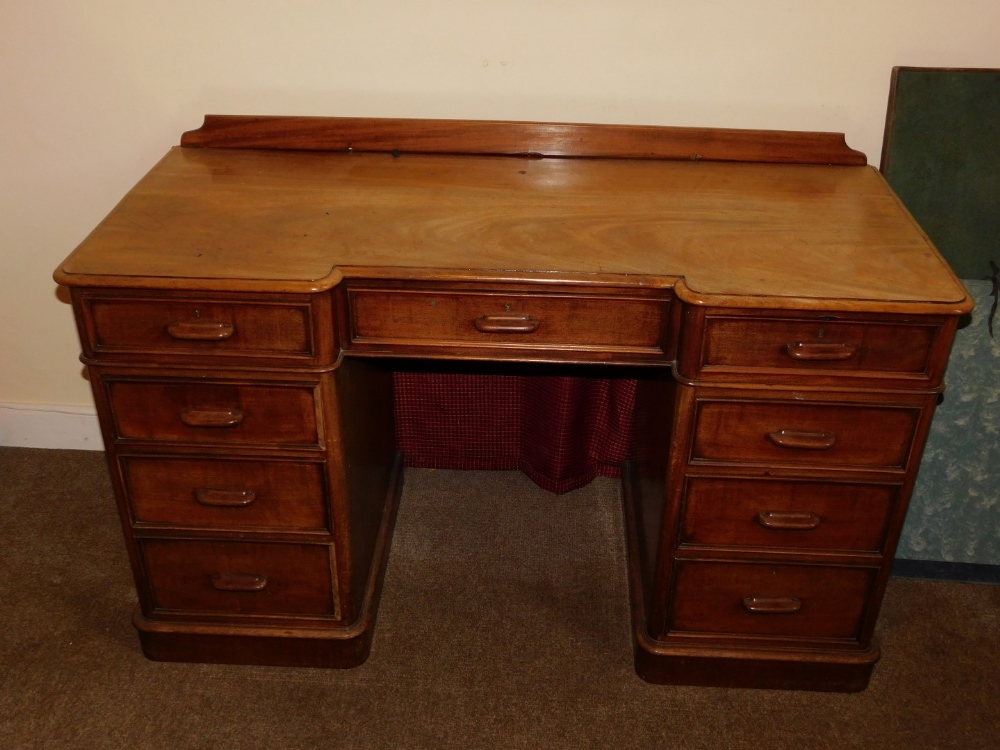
{"x":765,"y":235}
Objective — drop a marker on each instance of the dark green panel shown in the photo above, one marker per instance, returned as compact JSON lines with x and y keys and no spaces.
{"x":943,"y":159}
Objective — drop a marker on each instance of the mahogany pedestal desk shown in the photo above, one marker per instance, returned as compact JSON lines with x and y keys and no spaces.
{"x":241,"y":309}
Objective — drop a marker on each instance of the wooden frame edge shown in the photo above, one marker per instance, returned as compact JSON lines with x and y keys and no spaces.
{"x":524,"y":139}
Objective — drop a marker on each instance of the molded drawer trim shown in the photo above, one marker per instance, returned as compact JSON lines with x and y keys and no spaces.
{"x":241,"y":578}
{"x":199,"y":326}
{"x":795,"y":601}
{"x":826,"y":434}
{"x":270,"y":414}
{"x":786,"y":514}
{"x":618,"y":325}
{"x":226,"y":494}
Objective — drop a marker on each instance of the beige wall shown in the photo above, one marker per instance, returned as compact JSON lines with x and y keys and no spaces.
{"x":92,"y":93}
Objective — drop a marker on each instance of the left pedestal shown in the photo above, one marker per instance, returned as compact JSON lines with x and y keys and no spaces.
{"x":254,"y":470}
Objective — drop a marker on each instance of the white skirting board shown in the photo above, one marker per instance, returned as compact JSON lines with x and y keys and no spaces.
{"x":50,"y":426}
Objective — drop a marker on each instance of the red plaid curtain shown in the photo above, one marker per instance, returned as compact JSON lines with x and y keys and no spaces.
{"x":561,"y":431}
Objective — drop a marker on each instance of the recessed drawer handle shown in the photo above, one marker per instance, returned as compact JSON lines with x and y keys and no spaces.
{"x":814,"y":441}
{"x":814,"y":350}
{"x":211,"y":417}
{"x":225,"y":498}
{"x":505,"y":323}
{"x":239,"y":582}
{"x":200,"y":330}
{"x":771,"y":605}
{"x":788,"y":519}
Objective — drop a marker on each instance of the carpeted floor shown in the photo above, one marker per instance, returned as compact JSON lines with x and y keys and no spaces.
{"x":504,"y":624}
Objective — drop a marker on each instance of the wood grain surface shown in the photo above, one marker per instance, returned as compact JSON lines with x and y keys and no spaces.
{"x":773,"y":235}
{"x":520,"y":138}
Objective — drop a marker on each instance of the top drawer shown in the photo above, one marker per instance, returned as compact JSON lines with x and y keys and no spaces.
{"x":517,"y":324}
{"x":170,"y":326}
{"x":742,"y":345}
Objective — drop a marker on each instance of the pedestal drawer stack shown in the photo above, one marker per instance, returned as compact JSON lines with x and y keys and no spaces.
{"x":251,"y":529}
{"x":794,"y":443}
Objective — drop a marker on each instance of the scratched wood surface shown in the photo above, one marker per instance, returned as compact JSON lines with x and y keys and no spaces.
{"x":300,"y":221}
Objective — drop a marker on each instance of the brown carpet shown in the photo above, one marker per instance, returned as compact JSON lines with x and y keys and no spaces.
{"x":504,"y":624}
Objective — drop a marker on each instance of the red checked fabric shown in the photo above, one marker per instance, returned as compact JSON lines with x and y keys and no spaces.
{"x":561,"y":431}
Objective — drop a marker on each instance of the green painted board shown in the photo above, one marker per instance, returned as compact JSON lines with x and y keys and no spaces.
{"x":941,"y":154}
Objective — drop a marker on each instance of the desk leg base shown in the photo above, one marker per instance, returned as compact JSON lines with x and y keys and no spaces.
{"x":276,"y":647}
{"x":669,"y":663}
{"x":663,"y":664}
{"x":336,"y":647}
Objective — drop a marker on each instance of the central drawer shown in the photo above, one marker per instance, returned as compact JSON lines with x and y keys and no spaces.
{"x":240,"y":577}
{"x":631,"y":326}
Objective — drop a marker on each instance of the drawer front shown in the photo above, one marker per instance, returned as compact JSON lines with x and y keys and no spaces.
{"x":812,"y":345}
{"x":618,"y":325}
{"x":240,"y":577}
{"x":808,"y":434}
{"x":786,"y":514}
{"x":226,"y":494}
{"x":198,"y":326}
{"x":766,"y":599}
{"x":218,"y":413}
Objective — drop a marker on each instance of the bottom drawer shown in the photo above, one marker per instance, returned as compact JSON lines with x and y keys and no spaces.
{"x":247,"y":578}
{"x":769,"y":599}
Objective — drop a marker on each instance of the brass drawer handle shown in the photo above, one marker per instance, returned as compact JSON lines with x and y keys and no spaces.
{"x":225,"y":498}
{"x":239,"y":582}
{"x":506,"y":323}
{"x":788,"y":519}
{"x":200,"y":330}
{"x":815,"y":350}
{"x":771,"y":605}
{"x":814,"y":441}
{"x":211,"y":417}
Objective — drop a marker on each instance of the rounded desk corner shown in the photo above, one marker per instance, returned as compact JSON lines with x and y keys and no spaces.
{"x":686,"y":294}
{"x":966,"y":305}
{"x":325,"y":283}
{"x":59,"y":276}
{"x":63,"y":277}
